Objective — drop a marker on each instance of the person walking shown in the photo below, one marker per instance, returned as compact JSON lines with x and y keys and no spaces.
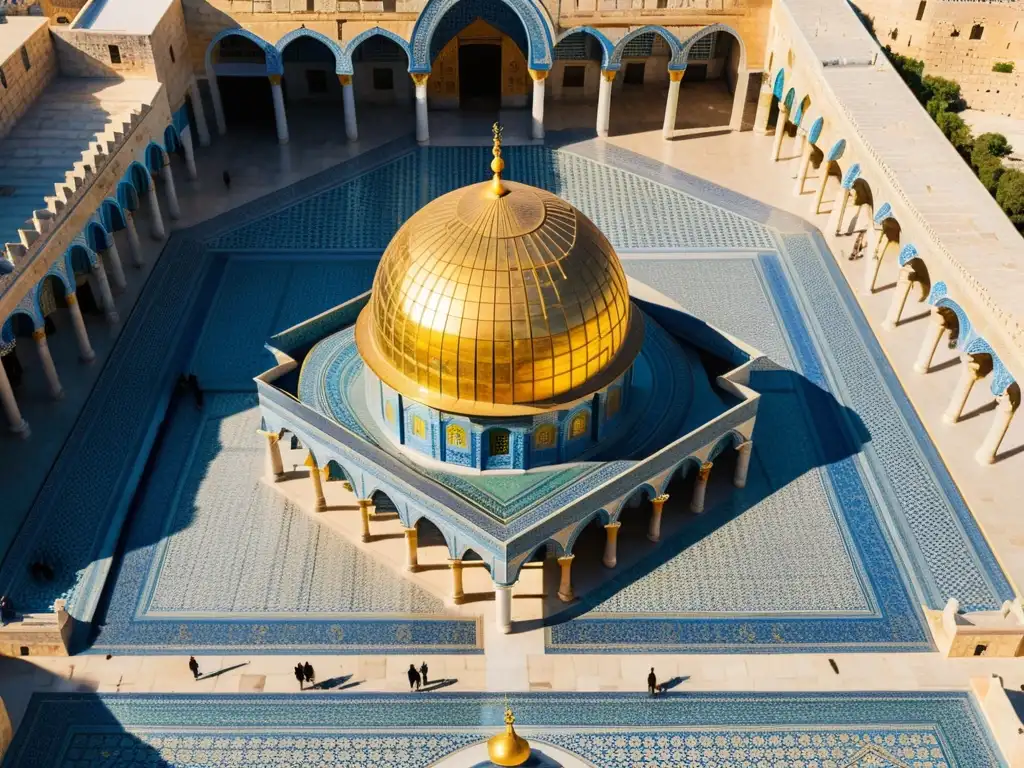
{"x":227,"y":180}
{"x":194,"y":666}
{"x":300,"y":675}
{"x":414,"y":678}
{"x":423,"y":672}
{"x":652,"y":683}
{"x":307,"y":671}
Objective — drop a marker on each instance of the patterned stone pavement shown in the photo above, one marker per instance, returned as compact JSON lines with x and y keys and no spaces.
{"x":923,"y":730}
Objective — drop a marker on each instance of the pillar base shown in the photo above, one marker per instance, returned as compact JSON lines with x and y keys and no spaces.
{"x":91,"y":357}
{"x":365,"y":538}
{"x":918,"y":368}
{"x":458,"y":600}
{"x":609,"y":563}
{"x":22,"y":430}
{"x":567,"y":597}
{"x":652,"y":537}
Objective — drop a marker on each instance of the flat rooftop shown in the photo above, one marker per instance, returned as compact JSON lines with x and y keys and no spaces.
{"x":138,"y":17}
{"x":15,"y":31}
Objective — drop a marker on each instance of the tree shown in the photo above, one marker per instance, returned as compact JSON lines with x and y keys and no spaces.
{"x":1010,"y":195}
{"x":957,"y":131}
{"x":990,"y":169}
{"x":989,"y":145}
{"x":947,"y":91}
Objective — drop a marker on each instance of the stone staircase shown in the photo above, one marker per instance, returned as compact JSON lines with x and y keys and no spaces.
{"x":53,"y":153}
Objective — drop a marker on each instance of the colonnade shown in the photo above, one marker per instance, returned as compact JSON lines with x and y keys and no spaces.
{"x":975,"y":364}
{"x":503,"y":592}
{"x":108,"y":278}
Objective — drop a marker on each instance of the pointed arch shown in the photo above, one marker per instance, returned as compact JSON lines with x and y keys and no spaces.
{"x":815,"y":131}
{"x":779,"y":84}
{"x":346,"y":66}
{"x":96,"y":236}
{"x":58,"y":270}
{"x":907,"y":254}
{"x":332,"y":45}
{"x":172,"y":139}
{"x":272,"y":57}
{"x":836,"y":152}
{"x":851,"y":175}
{"x":607,"y":46}
{"x":676,"y":61}
{"x":80,"y":258}
{"x":601,"y":515}
{"x":127,"y":196}
{"x":535,"y":23}
{"x":801,"y":111}
{"x":790,"y":99}
{"x":155,"y":157}
{"x":711,"y":29}
{"x":112,"y":215}
{"x":138,"y":176}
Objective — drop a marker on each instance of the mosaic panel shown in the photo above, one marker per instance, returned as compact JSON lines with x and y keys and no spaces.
{"x":923,"y":730}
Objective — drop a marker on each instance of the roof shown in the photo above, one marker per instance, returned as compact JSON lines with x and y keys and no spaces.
{"x":16,"y":31}
{"x":138,"y":17}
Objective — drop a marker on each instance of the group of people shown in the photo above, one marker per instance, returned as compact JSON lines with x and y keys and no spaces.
{"x":858,"y":247}
{"x":417,"y":678}
{"x":304,"y":674}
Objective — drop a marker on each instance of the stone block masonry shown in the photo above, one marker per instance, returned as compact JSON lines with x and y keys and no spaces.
{"x":20,"y":85}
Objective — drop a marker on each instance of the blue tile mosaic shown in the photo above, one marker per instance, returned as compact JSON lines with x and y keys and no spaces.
{"x":715,"y":730}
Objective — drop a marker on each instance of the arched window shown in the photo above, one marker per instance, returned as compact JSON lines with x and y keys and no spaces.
{"x":456,"y":436}
{"x":419,"y":427}
{"x":389,"y":413}
{"x":544,"y":436}
{"x":614,"y":402}
{"x":578,"y":425}
{"x":499,"y":442}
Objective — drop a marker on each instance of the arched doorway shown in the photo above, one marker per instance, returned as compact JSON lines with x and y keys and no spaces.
{"x":240,"y":68}
{"x":478,"y":59}
{"x":715,"y":87}
{"x":310,"y":83}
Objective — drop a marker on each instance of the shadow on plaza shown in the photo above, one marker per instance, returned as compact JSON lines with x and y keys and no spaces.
{"x":800,"y":428}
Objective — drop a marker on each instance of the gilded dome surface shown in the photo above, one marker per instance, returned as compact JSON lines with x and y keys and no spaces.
{"x":489,"y":298}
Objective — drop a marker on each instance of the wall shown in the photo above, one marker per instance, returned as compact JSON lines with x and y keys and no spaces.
{"x":83,"y":53}
{"x":967,"y":61}
{"x":23,"y":86}
{"x":170,"y":33}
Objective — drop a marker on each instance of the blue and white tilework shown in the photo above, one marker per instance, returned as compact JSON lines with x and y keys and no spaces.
{"x":915,"y":730}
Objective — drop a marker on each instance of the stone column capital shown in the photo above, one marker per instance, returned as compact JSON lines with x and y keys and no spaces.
{"x":71,"y":299}
{"x":565,"y":560}
{"x":272,"y":437}
{"x":660,"y":500}
{"x":705,"y":470}
{"x":745,"y":446}
{"x":613,"y":528}
{"x":539,"y":75}
{"x":39,"y":334}
{"x":609,"y":74}
{"x":676,"y":75}
{"x":274,"y":79}
{"x":419,"y":78}
{"x":345,"y":80}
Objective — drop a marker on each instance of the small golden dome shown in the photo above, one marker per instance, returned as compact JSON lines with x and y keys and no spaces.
{"x":499,"y":299}
{"x":508,"y":748}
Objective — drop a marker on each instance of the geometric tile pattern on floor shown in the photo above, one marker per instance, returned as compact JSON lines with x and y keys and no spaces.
{"x":924,"y":730}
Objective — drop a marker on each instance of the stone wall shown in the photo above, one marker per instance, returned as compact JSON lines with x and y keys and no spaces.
{"x":84,"y":53}
{"x":171,"y":55}
{"x":24,"y":85}
{"x":942,"y":39}
{"x":6,"y":730}
{"x":56,"y":12}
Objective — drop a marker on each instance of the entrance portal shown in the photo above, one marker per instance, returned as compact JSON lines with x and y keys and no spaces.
{"x":480,"y":76}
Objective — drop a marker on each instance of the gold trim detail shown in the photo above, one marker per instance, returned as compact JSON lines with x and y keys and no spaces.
{"x":676,"y":75}
{"x":274,"y":79}
{"x":609,"y":74}
{"x":345,"y":79}
{"x":539,"y":75}
{"x":419,"y":78}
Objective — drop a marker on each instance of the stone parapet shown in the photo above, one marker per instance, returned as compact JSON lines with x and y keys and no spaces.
{"x":1001,"y":717}
{"x":36,"y":634}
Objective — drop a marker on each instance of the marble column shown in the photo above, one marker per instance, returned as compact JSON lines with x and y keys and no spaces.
{"x":604,"y":102}
{"x":835,"y":218}
{"x":134,"y":246}
{"x":503,"y":607}
{"x":156,"y":219}
{"x":190,"y":156}
{"x":275,"y":466}
{"x":805,"y":168}
{"x":654,"y":527}
{"x":112,"y":259}
{"x":364,"y":513}
{"x":167,"y":177}
{"x":348,"y":101}
{"x":200,"y":114}
{"x":419,"y":79}
{"x":537,"y":109}
{"x":700,"y":488}
{"x":412,"y":560}
{"x":872,"y":263}
{"x":739,"y":99}
{"x":280,"y":117}
{"x":1006,"y":406}
{"x":85,"y":350}
{"x":15,"y":422}
{"x":611,"y":540}
{"x":46,"y":360}
{"x":819,"y":196}
{"x":899,"y":298}
{"x":106,"y":297}
{"x":764,"y":106}
{"x":780,"y":131}
{"x":675,"y":80}
{"x":930,"y":342}
{"x":565,"y":583}
{"x":319,"y":502}
{"x":744,"y":450}
{"x":970,"y":373}
{"x":458,"y":596}
{"x":218,"y":106}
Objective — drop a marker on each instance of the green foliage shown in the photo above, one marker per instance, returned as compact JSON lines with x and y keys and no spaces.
{"x":990,"y":169}
{"x":1010,"y":195}
{"x":956,"y":130}
{"x":946,"y":91}
{"x":1003,"y":66}
{"x":994,"y":144}
{"x":912,"y":72}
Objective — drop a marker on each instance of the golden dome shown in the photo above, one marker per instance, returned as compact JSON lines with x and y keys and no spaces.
{"x":508,"y":748}
{"x":499,"y":299}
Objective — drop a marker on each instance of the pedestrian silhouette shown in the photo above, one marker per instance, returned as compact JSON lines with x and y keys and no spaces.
{"x":423,"y":672}
{"x":414,"y":678}
{"x":299,"y":674}
{"x":194,"y":666}
{"x":652,"y":683}
{"x":227,"y":180}
{"x":307,"y":670}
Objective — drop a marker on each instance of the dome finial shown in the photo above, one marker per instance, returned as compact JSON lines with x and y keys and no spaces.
{"x":497,"y":164}
{"x":508,"y":748}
